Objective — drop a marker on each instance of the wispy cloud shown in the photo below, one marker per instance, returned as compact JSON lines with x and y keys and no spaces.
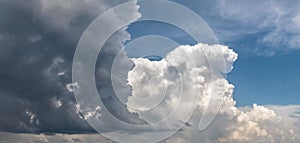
{"x":268,"y":27}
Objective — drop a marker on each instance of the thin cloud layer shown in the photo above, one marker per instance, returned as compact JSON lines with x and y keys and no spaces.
{"x":276,"y":21}
{"x":266,"y":27}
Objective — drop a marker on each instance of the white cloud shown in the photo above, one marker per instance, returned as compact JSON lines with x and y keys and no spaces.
{"x":158,"y":82}
{"x":260,"y":124}
{"x":184,"y":72}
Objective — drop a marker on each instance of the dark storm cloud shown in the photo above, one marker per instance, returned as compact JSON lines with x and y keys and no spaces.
{"x":37,"y":42}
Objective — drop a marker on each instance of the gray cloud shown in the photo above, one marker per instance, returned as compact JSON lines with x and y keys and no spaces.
{"x":38,"y":39}
{"x":58,"y":138}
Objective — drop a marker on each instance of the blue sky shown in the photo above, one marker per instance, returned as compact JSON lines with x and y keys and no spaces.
{"x":266,"y":41}
{"x":267,"y":80}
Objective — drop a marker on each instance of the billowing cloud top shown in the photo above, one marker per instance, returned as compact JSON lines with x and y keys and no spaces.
{"x":37,"y":43}
{"x":161,"y":79}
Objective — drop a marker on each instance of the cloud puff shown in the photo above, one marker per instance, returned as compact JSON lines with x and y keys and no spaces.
{"x":186,"y":71}
{"x":158,"y":83}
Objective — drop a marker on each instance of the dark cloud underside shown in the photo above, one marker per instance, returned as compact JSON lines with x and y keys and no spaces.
{"x":37,"y":42}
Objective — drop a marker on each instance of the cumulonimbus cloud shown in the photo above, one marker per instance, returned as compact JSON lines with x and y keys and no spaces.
{"x":232,"y":124}
{"x":36,"y":59}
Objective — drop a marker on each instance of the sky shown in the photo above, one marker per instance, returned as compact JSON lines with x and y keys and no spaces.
{"x":266,"y":65}
{"x":275,"y":77}
{"x":259,"y":93}
{"x":270,"y":68}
